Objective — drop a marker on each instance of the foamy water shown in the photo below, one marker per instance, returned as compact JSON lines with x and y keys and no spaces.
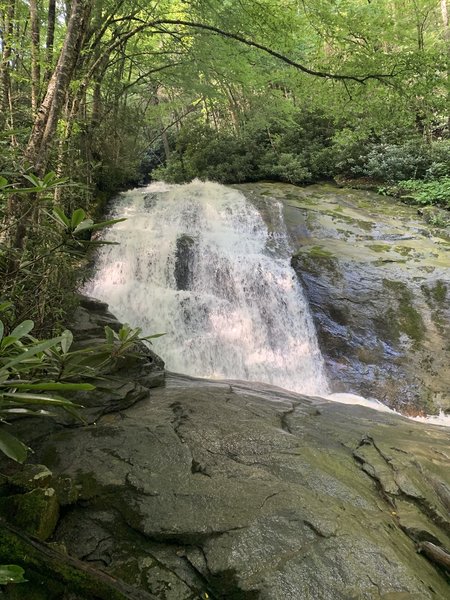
{"x":198,"y":262}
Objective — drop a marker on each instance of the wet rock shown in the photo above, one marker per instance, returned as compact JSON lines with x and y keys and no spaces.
{"x":378,"y":285}
{"x":29,"y":477}
{"x":127,"y":379}
{"x":241,"y":491}
{"x":184,"y":262}
{"x":229,"y":490}
{"x":36,"y":512}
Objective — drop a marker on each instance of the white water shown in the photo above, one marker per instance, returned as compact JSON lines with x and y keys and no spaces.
{"x":244,"y":314}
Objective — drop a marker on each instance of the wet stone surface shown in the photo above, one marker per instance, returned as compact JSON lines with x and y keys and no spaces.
{"x":377,"y":278}
{"x":232,"y":490}
{"x":242,"y":491}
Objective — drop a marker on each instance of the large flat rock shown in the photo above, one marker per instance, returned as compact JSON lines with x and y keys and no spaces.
{"x":233,"y":490}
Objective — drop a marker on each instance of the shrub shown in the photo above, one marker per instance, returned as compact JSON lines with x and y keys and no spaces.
{"x":392,"y":162}
{"x":427,"y":192}
{"x":440,"y":160}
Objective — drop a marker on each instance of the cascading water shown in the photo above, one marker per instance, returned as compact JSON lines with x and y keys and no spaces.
{"x":198,"y":262}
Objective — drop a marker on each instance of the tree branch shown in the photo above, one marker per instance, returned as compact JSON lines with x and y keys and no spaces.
{"x":252,"y":44}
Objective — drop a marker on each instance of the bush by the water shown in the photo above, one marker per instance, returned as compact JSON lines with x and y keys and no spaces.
{"x":309,"y":148}
{"x":436,"y":191}
{"x":297,"y":152}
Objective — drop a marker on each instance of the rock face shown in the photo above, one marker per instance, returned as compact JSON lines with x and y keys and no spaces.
{"x":184,"y":262}
{"x":128,"y":380}
{"x":378,"y":282}
{"x":228,"y":490}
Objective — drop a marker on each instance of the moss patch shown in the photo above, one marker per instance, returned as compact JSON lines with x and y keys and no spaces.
{"x":319,"y":252}
{"x":379,"y":247}
{"x":36,"y":512}
{"x":406,"y":319}
{"x":439,"y":292}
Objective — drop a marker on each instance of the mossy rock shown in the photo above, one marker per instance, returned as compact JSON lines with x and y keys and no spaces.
{"x":36,"y":512}
{"x":30,"y":477}
{"x":406,"y":318}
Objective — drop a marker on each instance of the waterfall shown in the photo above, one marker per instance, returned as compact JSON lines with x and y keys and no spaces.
{"x":199,"y":262}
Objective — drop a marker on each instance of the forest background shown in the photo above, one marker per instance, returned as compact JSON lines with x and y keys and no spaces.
{"x":98,"y":95}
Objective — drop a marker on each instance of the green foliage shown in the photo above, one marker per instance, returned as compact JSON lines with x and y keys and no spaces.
{"x":424,"y":192}
{"x":120,"y":343}
{"x":394,"y":162}
{"x":34,"y":373}
{"x":294,"y":149}
{"x":440,"y":160}
{"x":26,"y":366}
{"x":39,"y":275}
{"x":11,"y":574}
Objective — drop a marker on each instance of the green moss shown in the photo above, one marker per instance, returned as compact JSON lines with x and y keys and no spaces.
{"x":411,"y":322}
{"x":403,"y":250}
{"x":379,"y":247}
{"x":436,"y":294}
{"x":406,"y":318}
{"x":364,"y":225}
{"x":439,"y":292}
{"x":319,"y":252}
{"x":35,"y":512}
{"x":51,"y":577}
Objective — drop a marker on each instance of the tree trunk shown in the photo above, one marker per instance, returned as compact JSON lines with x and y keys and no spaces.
{"x":46,"y":119}
{"x":446,"y":24}
{"x":51,"y":19}
{"x":47,"y":116}
{"x":35,"y":56}
{"x":7,"y":25}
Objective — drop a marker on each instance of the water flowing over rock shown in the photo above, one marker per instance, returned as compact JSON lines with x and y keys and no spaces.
{"x":199,"y":262}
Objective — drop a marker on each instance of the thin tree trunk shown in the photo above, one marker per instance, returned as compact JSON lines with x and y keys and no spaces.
{"x":446,"y":24}
{"x":5,"y":78}
{"x":51,"y":19}
{"x":46,"y":119}
{"x":35,"y":56}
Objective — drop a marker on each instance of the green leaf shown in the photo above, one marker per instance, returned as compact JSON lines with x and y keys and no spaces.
{"x":60,"y":216}
{"x":51,"y":386}
{"x":2,"y":330}
{"x":84,"y":225}
{"x":98,"y":243}
{"x":110,"y":335}
{"x":12,"y":447}
{"x":22,"y":329}
{"x":106,"y":223}
{"x":32,"y":351}
{"x":34,"y":180}
{"x":49,"y":178}
{"x":77,"y":217}
{"x":8,"y":340}
{"x":4,"y":306}
{"x":66,"y":340}
{"x":11,"y":574}
{"x":154,"y":335}
{"x":36,"y":399}
{"x":27,"y":411}
{"x":3,"y":182}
